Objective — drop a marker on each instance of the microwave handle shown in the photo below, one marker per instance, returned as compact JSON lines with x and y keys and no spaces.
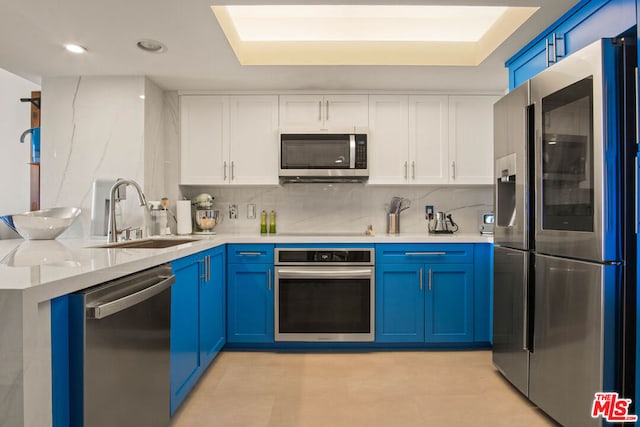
{"x":352,"y":151}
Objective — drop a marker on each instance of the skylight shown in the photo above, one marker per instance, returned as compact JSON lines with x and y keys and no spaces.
{"x":363,"y":23}
{"x":367,"y":34}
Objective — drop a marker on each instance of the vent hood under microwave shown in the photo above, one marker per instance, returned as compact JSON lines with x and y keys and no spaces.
{"x":325,"y":157}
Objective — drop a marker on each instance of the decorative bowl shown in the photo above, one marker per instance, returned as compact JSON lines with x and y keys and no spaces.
{"x":46,"y":224}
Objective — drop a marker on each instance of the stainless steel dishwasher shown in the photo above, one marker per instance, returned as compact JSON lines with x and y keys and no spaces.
{"x":119,"y":351}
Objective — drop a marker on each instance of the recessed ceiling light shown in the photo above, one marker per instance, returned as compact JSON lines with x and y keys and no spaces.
{"x":74,"y":48}
{"x":141,"y":96}
{"x":152,"y":46}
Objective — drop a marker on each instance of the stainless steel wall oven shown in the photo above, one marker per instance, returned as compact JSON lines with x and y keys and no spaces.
{"x":324,"y":294}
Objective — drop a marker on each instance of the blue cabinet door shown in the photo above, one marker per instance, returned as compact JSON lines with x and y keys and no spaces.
{"x":483,"y":293}
{"x":399,"y":303}
{"x":250,"y":303}
{"x":449,"y":303}
{"x":185,"y":357}
{"x":212,"y":305}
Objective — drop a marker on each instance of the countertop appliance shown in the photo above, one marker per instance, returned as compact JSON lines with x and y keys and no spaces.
{"x":323,"y":157}
{"x":205,"y":217}
{"x":564,"y":260}
{"x":441,"y":223}
{"x":486,"y":224}
{"x":119,"y":351}
{"x":324,"y":294}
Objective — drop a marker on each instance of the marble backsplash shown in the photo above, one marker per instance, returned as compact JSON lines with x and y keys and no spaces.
{"x":346,"y":208}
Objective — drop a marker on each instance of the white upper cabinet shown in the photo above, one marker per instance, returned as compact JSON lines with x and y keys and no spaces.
{"x":409,"y":143}
{"x":228,"y":140}
{"x":428,"y":139}
{"x":388,"y":139}
{"x":204,"y":139}
{"x":253,"y":148}
{"x":471,"y":139}
{"x":324,"y":112}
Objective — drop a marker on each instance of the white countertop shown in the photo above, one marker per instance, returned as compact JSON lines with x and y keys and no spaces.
{"x":49,"y":268}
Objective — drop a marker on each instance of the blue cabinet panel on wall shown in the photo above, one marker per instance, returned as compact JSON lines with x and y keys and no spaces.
{"x":250,"y":303}
{"x":449,"y":303}
{"x":399,"y":303}
{"x":483,"y":293}
{"x":185,"y":357}
{"x":585,"y":23}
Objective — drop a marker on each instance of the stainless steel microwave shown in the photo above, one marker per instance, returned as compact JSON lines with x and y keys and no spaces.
{"x":326,"y":157}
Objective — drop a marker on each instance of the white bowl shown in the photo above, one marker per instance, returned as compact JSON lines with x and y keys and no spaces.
{"x":46,"y":224}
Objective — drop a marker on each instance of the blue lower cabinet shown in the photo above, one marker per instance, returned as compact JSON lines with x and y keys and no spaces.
{"x":399,"y":303}
{"x":198,"y":318}
{"x":250,"y":303}
{"x":449,"y":303}
{"x":483,"y":294}
{"x":213,"y":302}
{"x":185,"y":357}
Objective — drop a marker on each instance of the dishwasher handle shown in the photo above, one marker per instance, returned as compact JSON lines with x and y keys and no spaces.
{"x":112,"y":307}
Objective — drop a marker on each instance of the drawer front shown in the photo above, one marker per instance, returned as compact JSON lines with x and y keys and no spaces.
{"x":459,"y":253}
{"x":250,"y":254}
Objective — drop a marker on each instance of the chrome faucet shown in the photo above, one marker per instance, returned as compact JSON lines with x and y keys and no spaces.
{"x":113,"y":229}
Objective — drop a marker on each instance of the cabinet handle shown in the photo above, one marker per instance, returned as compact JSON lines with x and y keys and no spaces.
{"x":556,"y":55}
{"x":320,"y":111}
{"x":453,"y":168}
{"x":421,"y":281}
{"x":208,"y":268}
{"x":637,"y":101}
{"x":327,"y":117}
{"x":203,"y":262}
{"x":424,"y":253}
{"x":250,"y":253}
{"x":430,"y":278}
{"x":546,"y":51}
{"x":233,"y":168}
{"x":406,"y":171}
{"x":269,"y":279}
{"x":413,"y":170}
{"x":224,"y":167}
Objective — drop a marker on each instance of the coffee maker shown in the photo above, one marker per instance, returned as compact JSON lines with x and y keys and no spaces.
{"x":205,"y":217}
{"x":442,"y":223}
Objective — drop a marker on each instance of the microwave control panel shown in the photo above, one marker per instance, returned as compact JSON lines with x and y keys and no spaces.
{"x":361,"y":152}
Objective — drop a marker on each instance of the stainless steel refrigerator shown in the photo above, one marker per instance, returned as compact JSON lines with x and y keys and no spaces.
{"x":564,"y":278}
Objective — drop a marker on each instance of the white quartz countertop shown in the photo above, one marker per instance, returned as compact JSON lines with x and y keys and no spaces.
{"x":50,"y":268}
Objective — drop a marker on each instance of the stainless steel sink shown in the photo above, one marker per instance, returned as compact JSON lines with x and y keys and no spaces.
{"x":148,"y":243}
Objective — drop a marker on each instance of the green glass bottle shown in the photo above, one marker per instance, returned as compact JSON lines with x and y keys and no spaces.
{"x":263,"y":222}
{"x":272,"y":222}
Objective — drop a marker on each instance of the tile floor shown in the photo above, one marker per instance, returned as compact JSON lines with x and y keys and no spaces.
{"x":356,"y":389}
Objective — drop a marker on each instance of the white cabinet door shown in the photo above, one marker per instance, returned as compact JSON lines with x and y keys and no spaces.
{"x":254,"y":140}
{"x":471,"y":139}
{"x":204,"y":139}
{"x":341,"y":113}
{"x":428,"y":139}
{"x":301,"y":111}
{"x":346,"y":113}
{"x":388,"y":139}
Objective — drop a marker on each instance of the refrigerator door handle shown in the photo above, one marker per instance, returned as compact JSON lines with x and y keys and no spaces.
{"x":525,"y":304}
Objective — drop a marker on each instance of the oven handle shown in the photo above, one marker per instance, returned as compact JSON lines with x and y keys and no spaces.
{"x":293,"y":273}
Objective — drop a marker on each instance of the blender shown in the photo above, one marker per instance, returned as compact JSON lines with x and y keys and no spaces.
{"x":205,"y":217}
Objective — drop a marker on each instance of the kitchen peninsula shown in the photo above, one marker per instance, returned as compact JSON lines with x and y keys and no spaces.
{"x":32,"y":273}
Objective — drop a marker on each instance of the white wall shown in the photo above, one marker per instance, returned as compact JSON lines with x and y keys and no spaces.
{"x":14,"y":119}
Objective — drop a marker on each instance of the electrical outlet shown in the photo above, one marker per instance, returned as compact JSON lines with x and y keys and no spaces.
{"x":428,"y":210}
{"x":233,"y":211}
{"x":251,"y":211}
